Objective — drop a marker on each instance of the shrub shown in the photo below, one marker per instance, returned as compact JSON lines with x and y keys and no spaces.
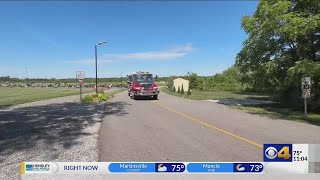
{"x":169,"y":85}
{"x":178,"y":90}
{"x":100,"y":91}
{"x":95,"y":97}
{"x":174,"y":89}
{"x":193,"y":79}
{"x":182,"y":90}
{"x":102,"y":97}
{"x":189,"y":92}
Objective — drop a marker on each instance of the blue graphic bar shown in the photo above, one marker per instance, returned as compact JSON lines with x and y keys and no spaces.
{"x":210,"y":167}
{"x":170,"y":167}
{"x":247,"y":167}
{"x":132,"y":167}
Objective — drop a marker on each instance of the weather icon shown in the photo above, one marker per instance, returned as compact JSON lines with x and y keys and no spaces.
{"x":239,"y":168}
{"x":162,"y":168}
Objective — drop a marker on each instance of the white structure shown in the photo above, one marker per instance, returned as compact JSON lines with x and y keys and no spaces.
{"x":179,"y":82}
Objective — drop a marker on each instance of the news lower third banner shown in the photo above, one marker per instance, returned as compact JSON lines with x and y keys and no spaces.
{"x":277,"y":158}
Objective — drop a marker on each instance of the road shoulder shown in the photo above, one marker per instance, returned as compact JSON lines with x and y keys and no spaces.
{"x":59,"y":129}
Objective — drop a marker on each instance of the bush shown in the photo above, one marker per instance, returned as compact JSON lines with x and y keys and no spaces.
{"x":169,"y":85}
{"x":95,"y":97}
{"x":189,"y":92}
{"x":178,"y":90}
{"x":193,"y":79}
{"x":182,"y":90}
{"x":100,"y":91}
{"x":174,"y":89}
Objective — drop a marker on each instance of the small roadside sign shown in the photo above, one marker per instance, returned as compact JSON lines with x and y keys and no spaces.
{"x":80,"y":75}
{"x":306,"y":91}
{"x":306,"y":83}
{"x":306,"y":87}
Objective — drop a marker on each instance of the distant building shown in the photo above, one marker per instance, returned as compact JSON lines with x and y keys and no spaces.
{"x":178,"y":82}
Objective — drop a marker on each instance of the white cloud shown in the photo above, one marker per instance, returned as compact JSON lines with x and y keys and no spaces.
{"x":162,"y":169}
{"x":169,"y":54}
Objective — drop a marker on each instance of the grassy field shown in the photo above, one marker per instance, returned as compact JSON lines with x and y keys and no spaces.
{"x":161,"y":83}
{"x":12,"y":96}
{"x":281,"y":113}
{"x":217,"y":95}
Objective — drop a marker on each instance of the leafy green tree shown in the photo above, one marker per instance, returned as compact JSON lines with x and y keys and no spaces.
{"x":182,"y":90}
{"x":189,"y":92}
{"x":193,"y":79}
{"x":174,"y":89}
{"x":283,"y":39}
{"x":179,"y":90}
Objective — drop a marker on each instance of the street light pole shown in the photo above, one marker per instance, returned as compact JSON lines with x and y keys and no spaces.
{"x":96,"y":69}
{"x":96,"y":54}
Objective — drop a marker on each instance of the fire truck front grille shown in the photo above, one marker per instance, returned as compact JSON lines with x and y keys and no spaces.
{"x":146,"y":85}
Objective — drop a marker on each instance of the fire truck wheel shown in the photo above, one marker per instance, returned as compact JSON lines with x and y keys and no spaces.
{"x":155,"y":97}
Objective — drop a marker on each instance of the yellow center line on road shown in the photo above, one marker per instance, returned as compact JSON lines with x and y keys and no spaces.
{"x":210,"y":126}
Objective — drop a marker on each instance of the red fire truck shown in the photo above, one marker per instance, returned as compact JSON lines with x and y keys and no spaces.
{"x":141,"y":84}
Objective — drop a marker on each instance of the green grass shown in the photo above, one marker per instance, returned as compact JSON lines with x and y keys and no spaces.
{"x":281,"y":113}
{"x":116,"y":91}
{"x":93,"y":98}
{"x":13,"y":96}
{"x":217,"y":95}
{"x":161,"y":83}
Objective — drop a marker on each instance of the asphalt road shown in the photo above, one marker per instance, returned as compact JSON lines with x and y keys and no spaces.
{"x":177,"y":129}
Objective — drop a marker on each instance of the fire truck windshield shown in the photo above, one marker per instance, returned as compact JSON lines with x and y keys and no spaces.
{"x":143,"y":78}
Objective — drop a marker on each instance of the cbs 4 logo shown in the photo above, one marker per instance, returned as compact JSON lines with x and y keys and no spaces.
{"x":277,"y":152}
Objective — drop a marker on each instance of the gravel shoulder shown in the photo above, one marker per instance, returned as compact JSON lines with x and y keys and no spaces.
{"x":59,"y":129}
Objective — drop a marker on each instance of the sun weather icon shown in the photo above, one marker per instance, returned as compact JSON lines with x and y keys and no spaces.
{"x":162,"y":168}
{"x":239,"y":168}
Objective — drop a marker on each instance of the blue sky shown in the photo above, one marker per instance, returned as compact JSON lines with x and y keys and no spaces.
{"x":56,"y":39}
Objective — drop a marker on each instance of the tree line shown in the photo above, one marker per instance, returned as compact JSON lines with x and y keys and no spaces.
{"x":283,"y":45}
{"x":228,"y":80}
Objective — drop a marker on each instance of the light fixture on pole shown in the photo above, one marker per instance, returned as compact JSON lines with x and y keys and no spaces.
{"x":96,"y":49}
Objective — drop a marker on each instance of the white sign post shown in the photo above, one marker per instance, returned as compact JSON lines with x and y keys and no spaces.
{"x":306,"y":91}
{"x":80,"y":76}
